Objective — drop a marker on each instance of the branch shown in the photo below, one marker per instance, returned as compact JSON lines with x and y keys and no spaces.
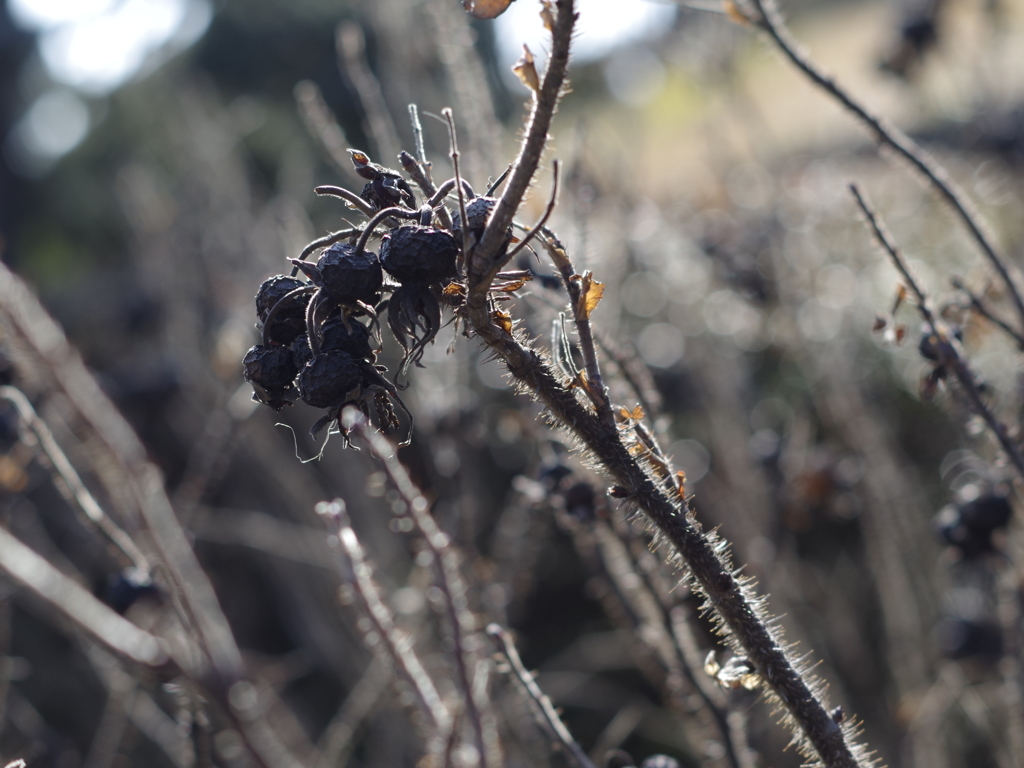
{"x":541,"y":704}
{"x":460,"y":618}
{"x":359,"y":574}
{"x":948,"y":348}
{"x":771,"y":23}
{"x":487,"y":259}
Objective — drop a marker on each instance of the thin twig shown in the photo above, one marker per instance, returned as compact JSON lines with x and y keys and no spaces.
{"x":73,"y":601}
{"x":72,"y":483}
{"x":450,"y":582}
{"x":771,"y":22}
{"x":595,"y":387}
{"x":948,"y":347}
{"x":464,"y":253}
{"x":359,"y":574}
{"x":350,"y":197}
{"x":540,"y":703}
{"x":351,"y":47}
{"x":979,"y":306}
{"x":326,"y":240}
{"x":552,"y":199}
{"x":322,"y":125}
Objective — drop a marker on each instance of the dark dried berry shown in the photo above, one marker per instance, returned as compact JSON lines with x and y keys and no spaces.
{"x":929,"y":346}
{"x":301,"y":353}
{"x":272,"y":291}
{"x":345,"y":275}
{"x":959,"y":637}
{"x":351,"y":336}
{"x":329,"y":379}
{"x":289,"y":319}
{"x":271,"y":372}
{"x":477,"y":211}
{"x":415,"y":254}
{"x":986,"y":513}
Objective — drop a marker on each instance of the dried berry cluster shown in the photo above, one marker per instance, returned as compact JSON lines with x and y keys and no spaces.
{"x":321,"y":334}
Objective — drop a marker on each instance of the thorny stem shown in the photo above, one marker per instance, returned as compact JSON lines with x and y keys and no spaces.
{"x":739,"y":612}
{"x":541,"y":703}
{"x":359,"y":574}
{"x":948,"y":348}
{"x":350,"y":197}
{"x":460,"y":618}
{"x":771,"y":23}
{"x":487,"y":260}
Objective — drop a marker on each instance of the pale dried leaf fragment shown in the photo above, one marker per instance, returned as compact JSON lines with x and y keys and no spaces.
{"x":486,"y":9}
{"x":547,"y":15}
{"x":734,"y":12}
{"x":526,"y":70}
{"x":591,"y":292}
{"x":503,"y":320}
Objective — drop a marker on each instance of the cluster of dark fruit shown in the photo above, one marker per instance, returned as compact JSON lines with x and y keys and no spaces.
{"x":321,"y":334}
{"x":968,"y":526}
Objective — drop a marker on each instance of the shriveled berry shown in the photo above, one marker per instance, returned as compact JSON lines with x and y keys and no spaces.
{"x":271,"y":371}
{"x":352,"y":337}
{"x":345,"y":275}
{"x":416,"y":254}
{"x":301,"y":353}
{"x":477,"y":211}
{"x":987,"y":513}
{"x":272,"y":291}
{"x":290,"y":318}
{"x":328,"y":379}
{"x":349,"y":277}
{"x":928,"y":346}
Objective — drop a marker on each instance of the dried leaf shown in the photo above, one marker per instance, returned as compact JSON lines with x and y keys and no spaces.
{"x":486,"y":9}
{"x":514,"y":285}
{"x":900,"y":333}
{"x":503,"y":319}
{"x":526,"y":71}
{"x":547,"y":14}
{"x":681,"y":484}
{"x":453,"y":289}
{"x":591,"y":292}
{"x":901,"y":294}
{"x":879,"y":324}
{"x":732,"y":10}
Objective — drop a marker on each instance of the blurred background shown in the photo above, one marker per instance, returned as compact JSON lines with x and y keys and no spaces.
{"x":158,"y":162}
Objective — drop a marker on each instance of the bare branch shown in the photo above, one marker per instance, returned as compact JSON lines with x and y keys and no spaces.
{"x":770,"y":21}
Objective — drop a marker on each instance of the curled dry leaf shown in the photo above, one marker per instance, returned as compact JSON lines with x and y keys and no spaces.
{"x":547,"y":14}
{"x":591,"y":292}
{"x":503,"y":320}
{"x":526,"y":70}
{"x":486,"y":9}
